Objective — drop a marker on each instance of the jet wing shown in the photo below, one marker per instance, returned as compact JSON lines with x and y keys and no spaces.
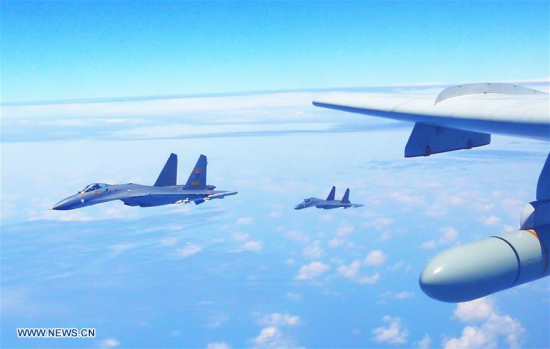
{"x":460,"y":117}
{"x":150,"y":200}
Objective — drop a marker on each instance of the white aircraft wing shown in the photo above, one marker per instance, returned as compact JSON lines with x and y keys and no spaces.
{"x":461,"y":117}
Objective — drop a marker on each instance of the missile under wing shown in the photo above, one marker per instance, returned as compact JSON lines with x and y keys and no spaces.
{"x":464,"y":117}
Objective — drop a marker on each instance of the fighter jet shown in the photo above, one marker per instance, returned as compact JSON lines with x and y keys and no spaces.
{"x":163,"y":192}
{"x":329,"y":203}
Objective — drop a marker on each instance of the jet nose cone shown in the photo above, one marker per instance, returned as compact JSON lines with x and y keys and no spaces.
{"x":299,"y":207}
{"x":66,"y":204}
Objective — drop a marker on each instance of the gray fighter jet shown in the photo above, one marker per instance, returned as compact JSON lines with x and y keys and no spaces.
{"x":163,"y":192}
{"x":329,"y":203}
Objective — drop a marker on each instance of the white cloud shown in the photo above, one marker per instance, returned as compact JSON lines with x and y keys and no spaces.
{"x":279,"y":229}
{"x":403,"y":295}
{"x":472,"y":337}
{"x":375,"y":258}
{"x":245,"y":221}
{"x":313,"y":251}
{"x":168,"y":227}
{"x":394,"y":333}
{"x":62,"y":216}
{"x":385,"y":236}
{"x":512,"y":205}
{"x":455,"y":200}
{"x":196,"y":108}
{"x":189,"y":250}
{"x":429,"y":245}
{"x":169,"y":241}
{"x":241,"y":236}
{"x":269,"y":337}
{"x":425,"y":342}
{"x":491,"y":220}
{"x":435,"y":211}
{"x":312,"y":270}
{"x":407,"y":267}
{"x":378,"y":223}
{"x":335,"y":243}
{"x":297,"y":236}
{"x":486,"y":328}
{"x":326,"y":217}
{"x":350,"y":271}
{"x":344,"y":231}
{"x":218,"y":345}
{"x":405,"y":198}
{"x":216,"y":320}
{"x":476,"y":310}
{"x":382,"y":222}
{"x":293,"y":296}
{"x":369,"y":280}
{"x":118,"y":249}
{"x":448,"y":235}
{"x":276,"y":214}
{"x":483,"y":206}
{"x":289,"y":261}
{"x":509,"y":228}
{"x":109,"y":343}
{"x":254,"y":246}
{"x":278,"y":320}
{"x":275,"y":334}
{"x":395,"y":295}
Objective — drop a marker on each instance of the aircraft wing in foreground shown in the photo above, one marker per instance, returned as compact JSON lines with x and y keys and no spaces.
{"x":464,"y":117}
{"x":461,"y":117}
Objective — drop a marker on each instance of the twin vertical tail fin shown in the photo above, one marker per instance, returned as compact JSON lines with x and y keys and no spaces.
{"x":197,"y":178}
{"x":169,"y":174}
{"x":345,"y":199}
{"x":330,"y":196}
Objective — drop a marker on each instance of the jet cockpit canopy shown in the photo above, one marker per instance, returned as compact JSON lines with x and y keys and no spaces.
{"x":92,"y":187}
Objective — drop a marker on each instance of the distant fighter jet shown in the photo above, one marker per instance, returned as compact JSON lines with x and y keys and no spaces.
{"x":163,"y":192}
{"x":329,"y":203}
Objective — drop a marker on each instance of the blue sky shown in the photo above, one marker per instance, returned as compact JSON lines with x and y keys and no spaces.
{"x":63,"y":50}
{"x":249,"y":271}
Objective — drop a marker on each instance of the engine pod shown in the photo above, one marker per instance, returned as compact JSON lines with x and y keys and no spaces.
{"x":477,"y":269}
